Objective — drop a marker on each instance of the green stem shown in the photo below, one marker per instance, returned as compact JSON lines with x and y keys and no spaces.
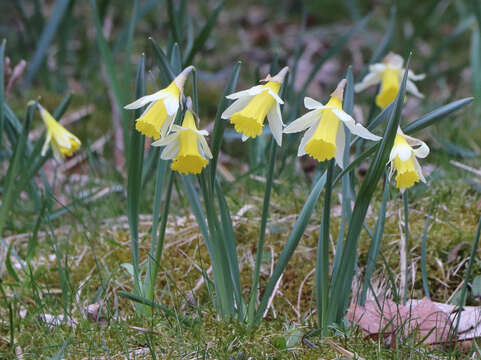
{"x":322,"y":261}
{"x":262,"y":230}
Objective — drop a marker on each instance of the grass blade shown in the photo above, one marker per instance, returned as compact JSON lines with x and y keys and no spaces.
{"x":424,"y":271}
{"x":8,"y":195}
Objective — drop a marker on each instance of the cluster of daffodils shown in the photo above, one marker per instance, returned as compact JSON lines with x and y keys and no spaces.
{"x":323,"y":125}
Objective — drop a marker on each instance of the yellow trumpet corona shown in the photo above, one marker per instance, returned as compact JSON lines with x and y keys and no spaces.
{"x":404,"y":161}
{"x":324,"y":138}
{"x":63,"y":142}
{"x":253,"y":105}
{"x":187,"y":147}
{"x":389,"y":74}
{"x":189,"y":160}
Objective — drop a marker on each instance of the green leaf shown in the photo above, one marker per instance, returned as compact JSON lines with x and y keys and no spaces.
{"x":424,"y":271}
{"x":203,"y":35}
{"x":322,"y":259}
{"x":220,"y":124}
{"x":134,"y":177}
{"x":436,"y":115}
{"x":2,"y":89}
{"x":167,"y":75}
{"x":375,"y":246}
{"x":46,"y":37}
{"x":342,"y":280}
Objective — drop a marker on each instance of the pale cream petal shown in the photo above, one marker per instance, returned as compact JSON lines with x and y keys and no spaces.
{"x":370,"y":79}
{"x":249,"y":92}
{"x":340,"y":144}
{"x":419,"y":170}
{"x":167,"y":125}
{"x":393,"y":154}
{"x":205,"y":147}
{"x":415,"y":77}
{"x":171,"y":104}
{"x":404,"y":152}
{"x":166,"y":140}
{"x":311,"y":104}
{"x":412,"y":89}
{"x":170,"y":151}
{"x":236,"y":106}
{"x":307,"y":136}
{"x":356,"y":129}
{"x":274,"y":118}
{"x":304,"y":122}
{"x":48,"y":138}
{"x":144,"y":100}
{"x":275,"y":96}
{"x":422,"y":150}
{"x":244,"y":138}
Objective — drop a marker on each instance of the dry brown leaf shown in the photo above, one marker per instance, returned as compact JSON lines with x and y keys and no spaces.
{"x":424,"y":319}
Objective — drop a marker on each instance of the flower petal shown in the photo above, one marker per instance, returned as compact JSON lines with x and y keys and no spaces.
{"x":311,"y":104}
{"x":244,"y":138}
{"x":355,"y":128}
{"x":307,"y":136}
{"x":48,"y":138}
{"x":340,"y":144}
{"x":304,"y":122}
{"x":274,"y":118}
{"x":205,"y":147}
{"x":249,"y":92}
{"x":404,"y":152}
{"x":422,"y":151}
{"x":144,"y":100}
{"x":412,"y":89}
{"x":236,"y":106}
{"x":419,"y":170}
{"x":167,"y":125}
{"x":415,"y":77}
{"x":170,"y":151}
{"x":165,"y":140}
{"x":372,"y":78}
{"x":275,"y":96}
{"x":171,"y":104}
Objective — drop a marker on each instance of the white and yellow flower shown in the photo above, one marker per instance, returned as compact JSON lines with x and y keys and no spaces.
{"x":403,"y":160}
{"x":324,"y":138}
{"x":251,"y":107}
{"x":389,"y":74}
{"x":157,"y":119}
{"x":63,"y":142}
{"x":186,"y":146}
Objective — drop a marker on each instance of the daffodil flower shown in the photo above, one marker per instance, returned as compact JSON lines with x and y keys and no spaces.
{"x":186,"y":146}
{"x":389,"y":73}
{"x":63,"y":142}
{"x":157,"y":119}
{"x":325,"y":138}
{"x":251,"y":107}
{"x":403,"y":159}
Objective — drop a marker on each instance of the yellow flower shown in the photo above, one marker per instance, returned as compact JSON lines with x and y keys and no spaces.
{"x":63,"y":142}
{"x":403,"y":159}
{"x":157,"y":119}
{"x":186,"y":146}
{"x":251,"y":107}
{"x":324,"y":138}
{"x":389,"y":74}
